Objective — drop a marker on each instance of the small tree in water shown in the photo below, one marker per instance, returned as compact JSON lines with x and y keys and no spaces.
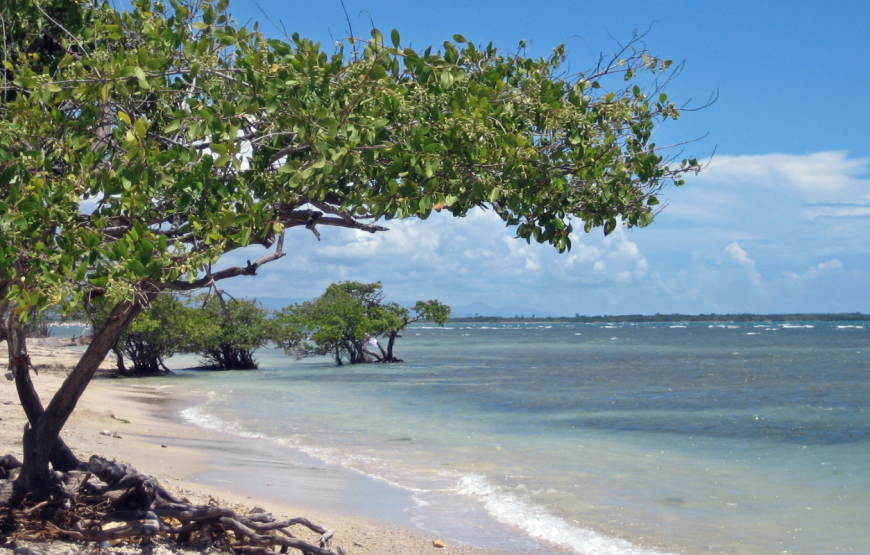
{"x":346,"y":320}
{"x":427,"y":310}
{"x":228,"y":332}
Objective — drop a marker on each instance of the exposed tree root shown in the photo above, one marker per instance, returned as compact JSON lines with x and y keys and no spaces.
{"x":112,"y":501}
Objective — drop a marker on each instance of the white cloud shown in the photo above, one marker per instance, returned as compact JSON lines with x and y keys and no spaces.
{"x":818,"y":271}
{"x":738,"y":255}
{"x":818,"y":177}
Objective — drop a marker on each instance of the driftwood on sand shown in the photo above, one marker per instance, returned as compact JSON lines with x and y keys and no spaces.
{"x":112,"y":501}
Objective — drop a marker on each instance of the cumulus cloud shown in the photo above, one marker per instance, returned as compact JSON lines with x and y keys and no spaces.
{"x":818,"y":271}
{"x":739,"y":257}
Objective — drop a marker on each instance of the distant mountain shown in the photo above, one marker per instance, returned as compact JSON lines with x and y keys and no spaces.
{"x":277,"y":303}
{"x":481,"y":309}
{"x":465,"y":311}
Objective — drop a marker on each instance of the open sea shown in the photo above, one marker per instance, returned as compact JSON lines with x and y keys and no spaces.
{"x":596,"y":439}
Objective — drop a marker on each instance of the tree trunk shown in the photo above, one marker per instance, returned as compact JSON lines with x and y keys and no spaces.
{"x":40,"y":438}
{"x":119,"y":356}
{"x":389,"y":357}
{"x":393,"y":335}
{"x":61,"y":457}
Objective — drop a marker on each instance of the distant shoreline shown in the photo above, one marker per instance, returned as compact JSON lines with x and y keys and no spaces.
{"x":671,"y":318}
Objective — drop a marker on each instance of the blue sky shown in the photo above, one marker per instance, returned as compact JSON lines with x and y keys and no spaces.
{"x":778,"y":223}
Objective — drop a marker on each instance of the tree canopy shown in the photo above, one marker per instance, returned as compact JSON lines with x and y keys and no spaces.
{"x":153,"y":336}
{"x":346,"y":321}
{"x":168,"y":135}
{"x":188,"y":136}
{"x":225,"y":333}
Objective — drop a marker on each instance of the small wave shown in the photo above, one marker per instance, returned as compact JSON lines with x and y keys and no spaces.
{"x":678,"y":326}
{"x":538,"y":523}
{"x":793,"y":326}
{"x":724,"y":326}
{"x":846,"y":327}
{"x":71,"y":324}
{"x":197,"y":416}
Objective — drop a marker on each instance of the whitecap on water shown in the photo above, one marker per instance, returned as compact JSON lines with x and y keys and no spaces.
{"x":538,"y":523}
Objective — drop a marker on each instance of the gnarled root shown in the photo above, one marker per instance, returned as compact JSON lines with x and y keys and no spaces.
{"x":130,"y":505}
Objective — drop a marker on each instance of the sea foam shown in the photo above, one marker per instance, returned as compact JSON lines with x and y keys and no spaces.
{"x":509,"y":509}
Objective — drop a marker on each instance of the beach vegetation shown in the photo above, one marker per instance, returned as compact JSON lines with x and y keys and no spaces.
{"x":227,"y":332}
{"x":166,"y":136}
{"x":346,"y":322}
{"x":152,"y":337}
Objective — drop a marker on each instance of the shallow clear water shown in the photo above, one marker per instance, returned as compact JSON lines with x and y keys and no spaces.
{"x":625,"y":439}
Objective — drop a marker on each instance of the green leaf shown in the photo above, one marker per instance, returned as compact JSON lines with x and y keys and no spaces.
{"x":378,"y":72}
{"x":459,"y":38}
{"x":161,"y":243}
{"x":228,"y":219}
{"x":446,"y":79}
{"x":99,"y":282}
{"x":67,"y":60}
{"x":141,"y":128}
{"x":137,"y":267}
{"x":394,"y":35}
{"x":124,"y":117}
{"x":140,"y":75}
{"x":25,"y":82}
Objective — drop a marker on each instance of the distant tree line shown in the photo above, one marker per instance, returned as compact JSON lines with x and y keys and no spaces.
{"x":641,"y":318}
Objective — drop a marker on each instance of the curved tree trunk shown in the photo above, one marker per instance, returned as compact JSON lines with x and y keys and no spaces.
{"x":388,"y":357}
{"x":119,"y":356}
{"x":61,"y":457}
{"x":42,"y":436}
{"x":394,"y":334}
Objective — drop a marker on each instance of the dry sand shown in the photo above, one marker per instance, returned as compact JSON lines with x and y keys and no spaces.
{"x":122,"y":407}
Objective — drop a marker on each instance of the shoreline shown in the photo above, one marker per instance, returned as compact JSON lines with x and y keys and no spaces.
{"x":193,"y":460}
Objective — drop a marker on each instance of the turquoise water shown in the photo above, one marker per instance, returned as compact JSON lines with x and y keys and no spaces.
{"x":601,"y":440}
